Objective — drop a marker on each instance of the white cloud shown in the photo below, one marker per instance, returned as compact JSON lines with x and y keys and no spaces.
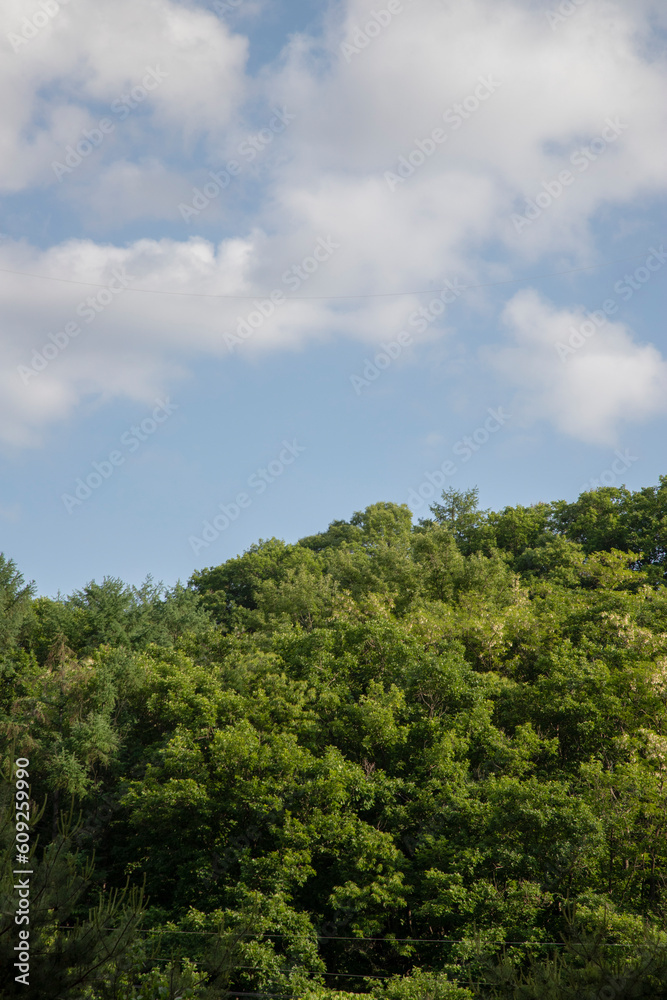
{"x":556,"y":91}
{"x":134,"y":344}
{"x":124,"y":191}
{"x":587,"y":392}
{"x":94,"y":51}
{"x":323,"y":176}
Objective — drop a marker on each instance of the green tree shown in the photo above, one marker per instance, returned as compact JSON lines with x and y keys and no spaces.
{"x":459,"y":512}
{"x":78,"y":936}
{"x":15,"y":604}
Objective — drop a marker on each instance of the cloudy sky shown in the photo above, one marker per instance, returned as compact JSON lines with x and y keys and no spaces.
{"x":264,"y":263}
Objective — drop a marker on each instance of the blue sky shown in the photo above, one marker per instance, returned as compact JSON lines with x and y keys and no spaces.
{"x":220,"y":221}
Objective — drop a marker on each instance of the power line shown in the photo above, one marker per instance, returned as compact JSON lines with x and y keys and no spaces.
{"x":259,"y":968}
{"x":323,"y":298}
{"x":235,"y":993}
{"x":385,"y":940}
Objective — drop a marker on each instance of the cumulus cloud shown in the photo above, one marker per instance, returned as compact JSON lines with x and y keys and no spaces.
{"x":587,"y":391}
{"x":512,"y":102}
{"x":124,"y":191}
{"x":65,"y":74}
{"x":63,"y":342}
{"x":553,"y":93}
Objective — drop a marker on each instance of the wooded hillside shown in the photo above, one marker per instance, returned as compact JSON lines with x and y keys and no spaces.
{"x":409,"y":761}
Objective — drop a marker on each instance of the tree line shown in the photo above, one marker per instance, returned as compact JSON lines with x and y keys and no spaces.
{"x":408,"y":761}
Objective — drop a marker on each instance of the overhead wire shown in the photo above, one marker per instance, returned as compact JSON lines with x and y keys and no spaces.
{"x":384,"y":940}
{"x":323,"y":298}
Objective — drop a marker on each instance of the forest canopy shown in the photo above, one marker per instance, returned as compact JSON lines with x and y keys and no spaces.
{"x":408,"y":761}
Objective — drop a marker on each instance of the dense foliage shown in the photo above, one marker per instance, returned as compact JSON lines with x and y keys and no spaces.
{"x":412,"y":762}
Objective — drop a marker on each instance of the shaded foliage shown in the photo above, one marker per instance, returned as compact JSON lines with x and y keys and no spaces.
{"x":394,"y":760}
